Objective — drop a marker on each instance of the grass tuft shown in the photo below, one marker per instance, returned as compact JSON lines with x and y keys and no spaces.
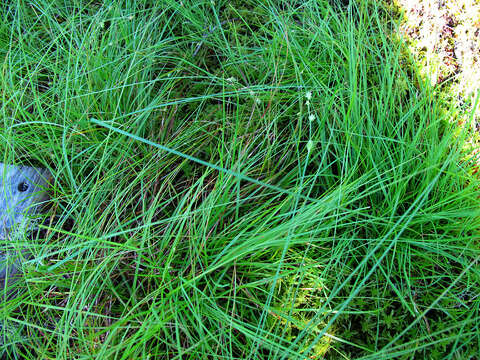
{"x":238,"y":180}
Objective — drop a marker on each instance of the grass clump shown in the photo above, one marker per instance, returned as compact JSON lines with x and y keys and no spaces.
{"x":262,"y":180}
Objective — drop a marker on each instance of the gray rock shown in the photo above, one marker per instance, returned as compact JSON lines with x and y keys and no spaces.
{"x":22,"y":190}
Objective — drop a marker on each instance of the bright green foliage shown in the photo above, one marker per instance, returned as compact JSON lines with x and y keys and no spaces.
{"x":358,"y":237}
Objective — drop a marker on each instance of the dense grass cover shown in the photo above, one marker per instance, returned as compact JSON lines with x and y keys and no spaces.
{"x":235,"y":180}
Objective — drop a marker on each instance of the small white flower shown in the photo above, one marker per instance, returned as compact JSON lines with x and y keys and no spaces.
{"x":231,"y":79}
{"x":307,"y":103}
{"x":308,"y":95}
{"x":258,"y":101}
{"x":110,"y":43}
{"x":130,"y":17}
{"x":309,"y":145}
{"x":311,"y":117}
{"x":102,"y":24}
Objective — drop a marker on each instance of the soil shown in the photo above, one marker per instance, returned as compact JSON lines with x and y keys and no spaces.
{"x":444,"y":36}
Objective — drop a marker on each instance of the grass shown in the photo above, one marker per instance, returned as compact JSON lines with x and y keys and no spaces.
{"x":236,"y":180}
